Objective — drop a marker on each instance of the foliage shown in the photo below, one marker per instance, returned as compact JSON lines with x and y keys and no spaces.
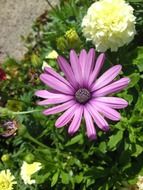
{"x":115,"y":158}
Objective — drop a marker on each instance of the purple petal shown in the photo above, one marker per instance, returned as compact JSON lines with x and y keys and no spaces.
{"x":60,"y":108}
{"x":107,"y":77}
{"x":83,"y":59}
{"x":55,"y":100}
{"x":75,"y":124}
{"x":97,"y":68}
{"x":48,"y":94}
{"x":89,"y":65}
{"x":55,"y":83}
{"x":50,"y":71}
{"x":113,"y":102}
{"x":91,"y":132}
{"x":107,"y":111}
{"x":66,"y":68}
{"x":76,"y":66}
{"x":66,"y":116}
{"x":98,"y":118}
{"x":44,"y":94}
{"x":112,"y":88}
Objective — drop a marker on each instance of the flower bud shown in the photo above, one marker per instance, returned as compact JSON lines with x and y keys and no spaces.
{"x":73,"y":39}
{"x":61,"y":43}
{"x":29,"y":158}
{"x":5,"y":157}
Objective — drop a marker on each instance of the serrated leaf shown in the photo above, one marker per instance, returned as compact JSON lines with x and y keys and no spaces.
{"x":65,"y":177}
{"x":115,"y":140}
{"x":42,"y":178}
{"x":139,"y":104}
{"x":138,"y":150}
{"x":79,"y":178}
{"x":135,"y":77}
{"x":132,"y":135}
{"x":126,"y":96}
{"x":138,"y":61}
{"x":140,"y":138}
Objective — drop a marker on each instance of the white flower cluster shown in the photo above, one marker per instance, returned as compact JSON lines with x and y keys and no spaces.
{"x":140,"y":182}
{"x":109,"y":24}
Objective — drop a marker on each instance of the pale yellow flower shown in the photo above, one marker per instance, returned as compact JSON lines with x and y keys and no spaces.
{"x":109,"y":24}
{"x":45,"y":64}
{"x":140,"y":182}
{"x":52,"y":55}
{"x":27,"y":170}
{"x":7,"y":180}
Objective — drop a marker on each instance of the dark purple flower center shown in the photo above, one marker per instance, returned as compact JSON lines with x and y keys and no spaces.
{"x":82,"y":95}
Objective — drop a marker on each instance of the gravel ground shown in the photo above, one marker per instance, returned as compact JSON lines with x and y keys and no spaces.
{"x":16,"y":18}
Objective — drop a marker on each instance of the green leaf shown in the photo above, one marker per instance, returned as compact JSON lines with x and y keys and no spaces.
{"x":76,"y":139}
{"x":134,"y":1}
{"x":135,"y":77}
{"x":132,"y":135}
{"x":103,"y":147}
{"x":138,"y":61}
{"x":140,"y":138}
{"x":42,"y":178}
{"x":115,"y":140}
{"x":79,"y":178}
{"x":138,"y":150}
{"x":126,"y":96}
{"x":104,"y":187}
{"x":55,"y":178}
{"x":97,"y":172}
{"x":139,"y":104}
{"x":65,"y":177}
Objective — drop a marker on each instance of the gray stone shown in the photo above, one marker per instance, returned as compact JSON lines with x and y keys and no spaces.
{"x":16,"y":19}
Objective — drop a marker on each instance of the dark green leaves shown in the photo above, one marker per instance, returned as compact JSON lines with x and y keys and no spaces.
{"x":138,"y":61}
{"x":114,"y":140}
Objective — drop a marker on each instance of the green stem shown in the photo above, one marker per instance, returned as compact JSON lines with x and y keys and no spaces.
{"x":36,"y":142}
{"x":25,"y":112}
{"x":6,"y":111}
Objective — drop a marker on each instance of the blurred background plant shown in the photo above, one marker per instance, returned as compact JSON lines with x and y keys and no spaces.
{"x":114,"y":160}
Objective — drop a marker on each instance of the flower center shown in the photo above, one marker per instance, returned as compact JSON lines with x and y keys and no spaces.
{"x":82,"y":95}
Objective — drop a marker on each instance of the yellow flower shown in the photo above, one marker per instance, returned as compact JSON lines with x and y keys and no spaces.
{"x":52,"y":55}
{"x":109,"y":24}
{"x":140,"y":182}
{"x":7,"y":180}
{"x":27,"y":170}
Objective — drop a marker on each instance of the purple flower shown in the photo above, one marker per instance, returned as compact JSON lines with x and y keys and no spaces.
{"x":81,"y":94}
